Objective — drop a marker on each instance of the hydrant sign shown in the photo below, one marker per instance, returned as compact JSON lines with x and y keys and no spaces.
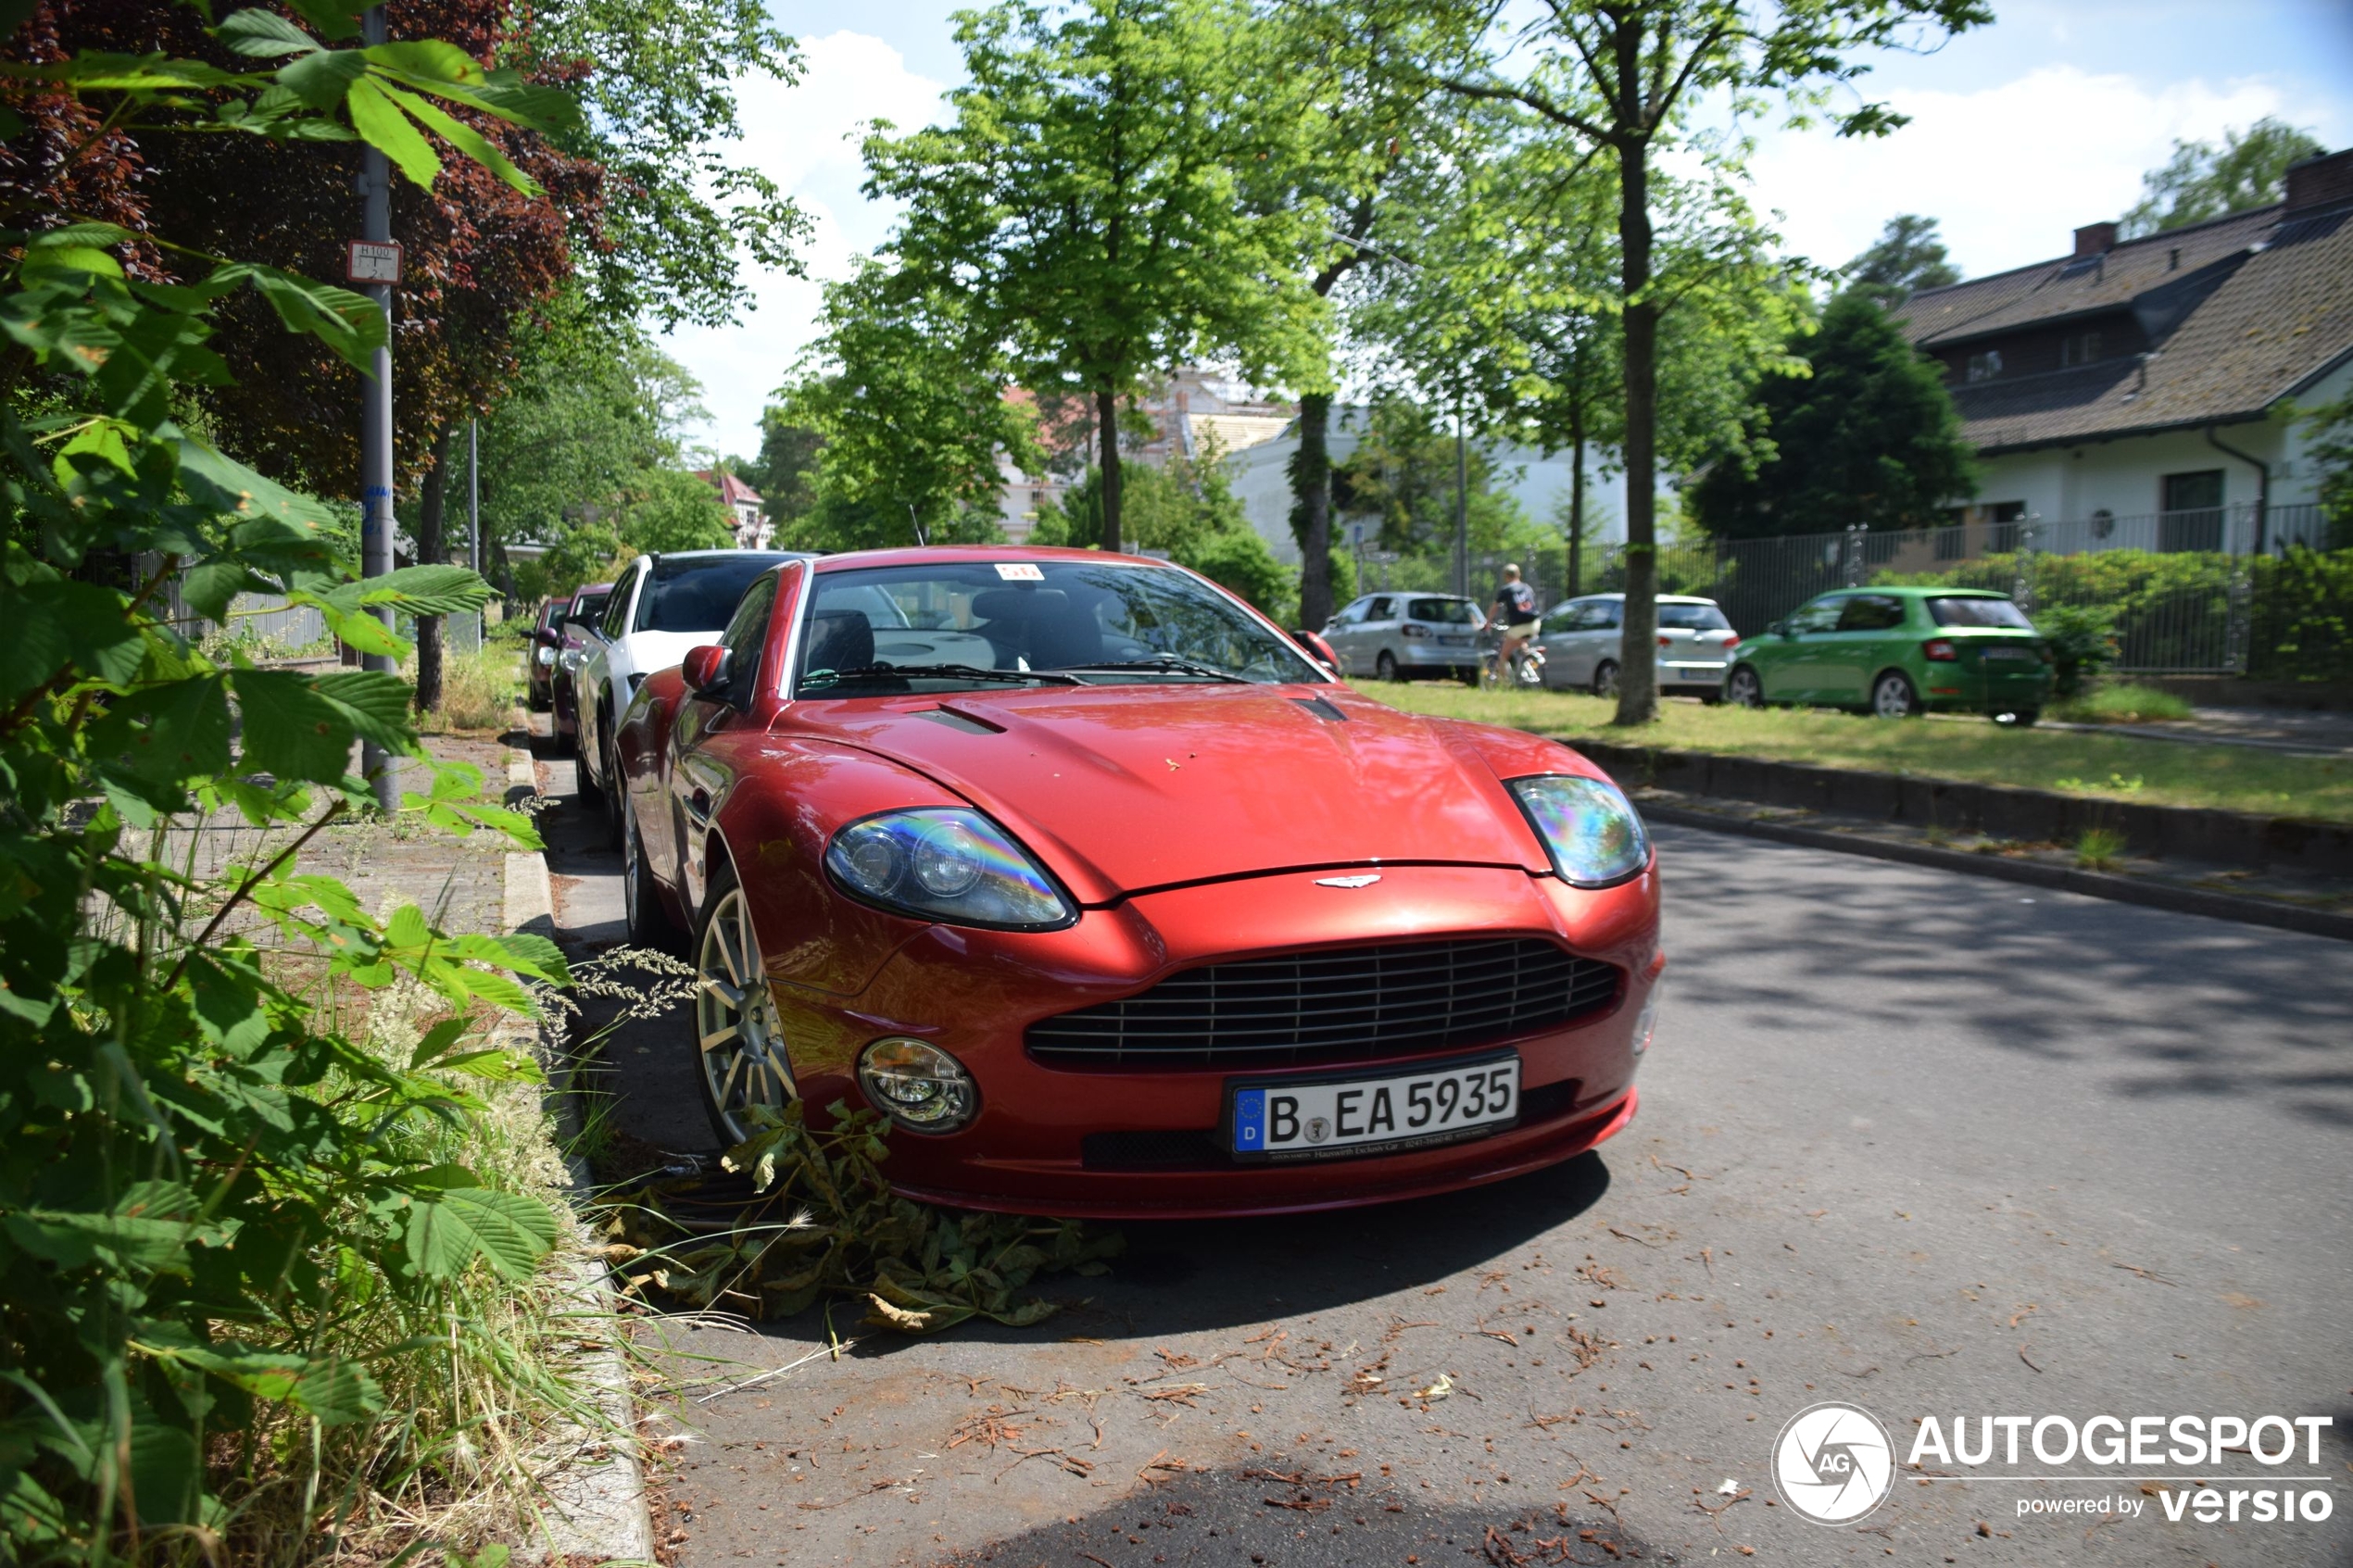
{"x":373,"y":261}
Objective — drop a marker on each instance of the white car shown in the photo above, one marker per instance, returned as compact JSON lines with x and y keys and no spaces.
{"x":660,"y":606}
{"x":1582,"y":641}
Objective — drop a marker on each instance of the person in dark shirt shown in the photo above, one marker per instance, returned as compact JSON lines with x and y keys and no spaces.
{"x":1515,"y":610}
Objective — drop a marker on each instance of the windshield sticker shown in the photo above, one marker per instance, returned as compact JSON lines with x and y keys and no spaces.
{"x":1019,"y":572}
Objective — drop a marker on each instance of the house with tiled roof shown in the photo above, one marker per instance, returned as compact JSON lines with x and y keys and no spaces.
{"x":753,"y":531}
{"x":2154,"y":382}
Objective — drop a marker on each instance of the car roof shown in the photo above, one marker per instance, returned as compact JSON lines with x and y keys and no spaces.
{"x":921,"y":554}
{"x":1918,"y":591}
{"x":732,"y":555}
{"x":1659,"y":598}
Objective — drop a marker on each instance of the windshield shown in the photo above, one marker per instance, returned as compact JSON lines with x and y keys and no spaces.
{"x":968,"y":625}
{"x":696,"y":593}
{"x":1980,"y":612}
{"x":1693,"y":618}
{"x":1450,"y":612}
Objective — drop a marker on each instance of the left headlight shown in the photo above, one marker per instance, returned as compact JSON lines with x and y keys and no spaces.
{"x":946,"y":864}
{"x":546,"y":658}
{"x":1588,"y":826}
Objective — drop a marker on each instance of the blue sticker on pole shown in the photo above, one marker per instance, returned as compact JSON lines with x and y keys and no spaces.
{"x":1249,"y":1121}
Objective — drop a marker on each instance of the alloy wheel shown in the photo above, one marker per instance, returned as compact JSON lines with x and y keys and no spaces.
{"x":743,"y":1060}
{"x":1892,"y":697}
{"x":1745,"y":690}
{"x":1386,"y":666}
{"x":1606,"y":679}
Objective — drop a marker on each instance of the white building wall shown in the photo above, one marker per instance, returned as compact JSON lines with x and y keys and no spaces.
{"x":2127,"y":477}
{"x":1261,"y":478}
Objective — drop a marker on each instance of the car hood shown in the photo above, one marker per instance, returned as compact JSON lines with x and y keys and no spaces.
{"x":1123,"y":789}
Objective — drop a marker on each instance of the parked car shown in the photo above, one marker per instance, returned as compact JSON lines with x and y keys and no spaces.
{"x":1078,"y":870}
{"x":586,"y":608}
{"x":660,"y":606}
{"x":1398,"y":636}
{"x":1582,"y":639}
{"x":547,"y":642}
{"x":1897,"y":652}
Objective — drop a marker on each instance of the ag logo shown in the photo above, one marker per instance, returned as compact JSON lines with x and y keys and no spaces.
{"x":1834,"y":1464}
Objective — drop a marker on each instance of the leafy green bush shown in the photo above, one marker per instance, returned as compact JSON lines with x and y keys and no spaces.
{"x":207,"y":1172}
{"x":2083,"y":642}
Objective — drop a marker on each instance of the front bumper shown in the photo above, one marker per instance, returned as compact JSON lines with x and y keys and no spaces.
{"x":975,"y":993}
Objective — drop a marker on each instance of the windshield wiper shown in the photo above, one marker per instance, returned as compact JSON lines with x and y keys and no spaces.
{"x":942,"y":673}
{"x":1173,"y":664}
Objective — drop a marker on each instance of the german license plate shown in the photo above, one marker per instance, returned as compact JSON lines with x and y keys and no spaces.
{"x":2019,"y":655}
{"x":1366,"y":1113}
{"x":1698,"y":674}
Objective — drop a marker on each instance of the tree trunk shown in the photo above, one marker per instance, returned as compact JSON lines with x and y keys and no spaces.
{"x":1107,"y":437}
{"x":432,"y":550}
{"x":1312,"y":486}
{"x":1577,"y":496}
{"x":1637,"y":658}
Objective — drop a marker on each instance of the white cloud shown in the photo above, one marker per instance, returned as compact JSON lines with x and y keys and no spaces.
{"x":805,"y":138}
{"x":2009,"y":171}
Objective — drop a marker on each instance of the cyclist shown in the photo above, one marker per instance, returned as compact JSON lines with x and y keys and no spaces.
{"x":1514,"y":611}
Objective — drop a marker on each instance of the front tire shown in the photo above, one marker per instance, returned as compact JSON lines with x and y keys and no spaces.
{"x":616,"y":790}
{"x":1744,"y":688}
{"x":1605,"y":678}
{"x":1892,"y":697}
{"x":742,"y":1060}
{"x":1386,"y":666}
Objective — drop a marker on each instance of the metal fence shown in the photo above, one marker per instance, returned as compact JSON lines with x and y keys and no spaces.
{"x":2223,"y":590}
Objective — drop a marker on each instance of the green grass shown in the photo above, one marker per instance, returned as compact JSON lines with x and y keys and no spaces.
{"x":2121,"y":703}
{"x":2233,"y":778}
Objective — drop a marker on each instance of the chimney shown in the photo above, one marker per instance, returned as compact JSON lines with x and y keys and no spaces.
{"x":2094,"y":239}
{"x":2319,"y":181}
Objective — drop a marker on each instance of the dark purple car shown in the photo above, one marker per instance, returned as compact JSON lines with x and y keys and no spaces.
{"x":580,"y":611}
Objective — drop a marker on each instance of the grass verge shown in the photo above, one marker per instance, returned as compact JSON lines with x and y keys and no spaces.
{"x":2121,"y":703}
{"x":2162,"y":772}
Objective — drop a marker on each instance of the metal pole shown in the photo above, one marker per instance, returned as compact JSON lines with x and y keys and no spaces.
{"x":375,"y":431}
{"x":1462,"y":508}
{"x":473,"y":496}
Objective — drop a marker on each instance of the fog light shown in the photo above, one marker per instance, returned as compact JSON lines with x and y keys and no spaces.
{"x":1646,"y":1022}
{"x":918,"y":1085}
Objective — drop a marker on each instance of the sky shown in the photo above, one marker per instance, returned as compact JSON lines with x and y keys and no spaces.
{"x":2020,"y":133}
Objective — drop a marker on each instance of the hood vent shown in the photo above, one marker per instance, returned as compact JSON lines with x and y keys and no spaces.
{"x":1322,"y":709}
{"x":963,"y":721}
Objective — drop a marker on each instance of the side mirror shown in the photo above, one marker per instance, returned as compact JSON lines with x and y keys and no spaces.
{"x":705,"y":670}
{"x":1318,"y":649}
{"x":1781,"y":629}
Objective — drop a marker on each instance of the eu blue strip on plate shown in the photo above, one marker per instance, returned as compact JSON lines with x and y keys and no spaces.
{"x":1249,"y":1121}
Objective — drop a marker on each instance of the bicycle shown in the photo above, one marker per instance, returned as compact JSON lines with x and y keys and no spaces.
{"x":1526,"y":664}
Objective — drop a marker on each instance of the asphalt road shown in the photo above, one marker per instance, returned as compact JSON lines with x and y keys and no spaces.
{"x":1911,"y":1140}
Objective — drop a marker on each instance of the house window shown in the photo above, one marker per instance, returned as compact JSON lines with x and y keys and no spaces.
{"x":1984,"y":366}
{"x":2079,"y":348}
{"x":2191,"y":510}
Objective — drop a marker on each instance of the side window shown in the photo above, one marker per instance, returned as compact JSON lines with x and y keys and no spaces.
{"x":1381,"y":609}
{"x":1601,"y":615}
{"x":1819,"y":615}
{"x":616,"y":606}
{"x":746,"y":634}
{"x":1564,"y":618}
{"x":1871,"y":612}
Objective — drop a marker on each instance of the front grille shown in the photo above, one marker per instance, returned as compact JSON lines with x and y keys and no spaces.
{"x":1400,"y":999}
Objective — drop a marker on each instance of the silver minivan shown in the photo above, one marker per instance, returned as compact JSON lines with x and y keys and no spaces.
{"x":1398,"y":636}
{"x":1582,"y":641}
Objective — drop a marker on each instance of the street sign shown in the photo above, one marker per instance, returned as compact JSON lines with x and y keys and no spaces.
{"x":373,"y":261}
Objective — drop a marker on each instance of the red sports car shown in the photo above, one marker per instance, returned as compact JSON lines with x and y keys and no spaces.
{"x":1080,"y":871}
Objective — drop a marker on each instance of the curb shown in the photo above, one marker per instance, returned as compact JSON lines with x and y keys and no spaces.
{"x":597,"y":1508}
{"x":2065,"y":879}
{"x":2229,"y":838}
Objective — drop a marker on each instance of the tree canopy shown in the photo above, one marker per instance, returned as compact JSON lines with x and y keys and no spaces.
{"x":1868,"y":436}
{"x":1907,"y":256}
{"x":2203,"y":180}
{"x":1083,"y":207}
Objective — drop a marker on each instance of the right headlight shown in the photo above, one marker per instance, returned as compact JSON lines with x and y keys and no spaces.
{"x":946,"y":864}
{"x":1588,"y":826}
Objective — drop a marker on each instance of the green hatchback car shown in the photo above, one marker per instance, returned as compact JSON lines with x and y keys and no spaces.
{"x":1897,"y":652}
